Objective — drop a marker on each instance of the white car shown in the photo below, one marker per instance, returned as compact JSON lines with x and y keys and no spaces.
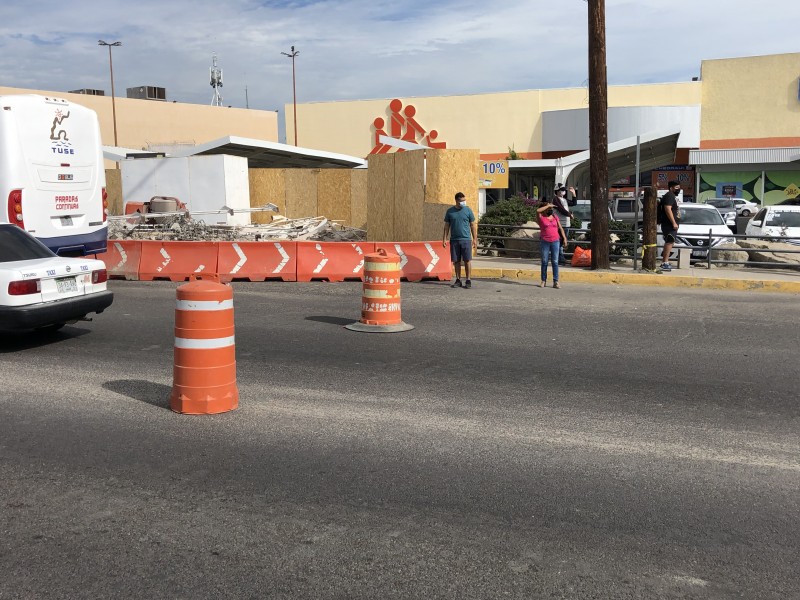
{"x":778,"y":222}
{"x":39,"y":290}
{"x":697,"y":223}
{"x":583,"y":210}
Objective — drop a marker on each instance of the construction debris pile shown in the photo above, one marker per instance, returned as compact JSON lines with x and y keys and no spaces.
{"x":181,"y":227}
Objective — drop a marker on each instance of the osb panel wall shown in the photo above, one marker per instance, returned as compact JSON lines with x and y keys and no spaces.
{"x":358,"y":198}
{"x":451,"y":171}
{"x":267,"y":186}
{"x":433,"y":221}
{"x":380,"y":197}
{"x":301,"y":193}
{"x":333,"y":194}
{"x":114,"y":191}
{"x":409,"y":195}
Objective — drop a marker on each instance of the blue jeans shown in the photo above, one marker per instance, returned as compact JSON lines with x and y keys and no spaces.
{"x":550,"y":253}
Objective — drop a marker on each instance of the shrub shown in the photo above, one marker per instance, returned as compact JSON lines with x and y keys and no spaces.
{"x":515,"y":210}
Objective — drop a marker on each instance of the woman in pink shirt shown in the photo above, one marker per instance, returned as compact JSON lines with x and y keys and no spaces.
{"x":550,"y":234}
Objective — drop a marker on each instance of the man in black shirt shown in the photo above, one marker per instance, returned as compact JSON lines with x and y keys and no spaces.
{"x":670,"y":220}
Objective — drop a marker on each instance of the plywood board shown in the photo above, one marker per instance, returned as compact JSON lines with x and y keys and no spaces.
{"x":333,"y":194}
{"x":114,"y":191}
{"x":409,"y":195}
{"x":451,"y":171}
{"x":358,"y":198}
{"x":433,"y":221}
{"x":267,"y":186}
{"x":380,"y":198}
{"x":301,"y":193}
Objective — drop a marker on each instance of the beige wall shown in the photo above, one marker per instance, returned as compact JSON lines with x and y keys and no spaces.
{"x":751,"y":102}
{"x":490,"y":122}
{"x":144,"y":122}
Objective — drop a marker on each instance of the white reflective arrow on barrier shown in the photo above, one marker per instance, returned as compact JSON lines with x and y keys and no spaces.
{"x":242,"y":259}
{"x":434,"y":259}
{"x":323,"y":262}
{"x":123,"y":255}
{"x":402,"y":255}
{"x":360,"y":265}
{"x":167,"y":259}
{"x":285,"y":260}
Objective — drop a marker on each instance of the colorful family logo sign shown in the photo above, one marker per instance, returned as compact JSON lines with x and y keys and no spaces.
{"x":403,"y":126}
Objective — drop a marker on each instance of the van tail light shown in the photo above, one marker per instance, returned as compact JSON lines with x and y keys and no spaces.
{"x":15,"y":208}
{"x":105,"y":205}
{"x":23,"y":288}
{"x":100,"y":276}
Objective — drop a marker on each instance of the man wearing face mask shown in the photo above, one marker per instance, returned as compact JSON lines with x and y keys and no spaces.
{"x":459,"y":224}
{"x":563,"y":213}
{"x":670,"y":221}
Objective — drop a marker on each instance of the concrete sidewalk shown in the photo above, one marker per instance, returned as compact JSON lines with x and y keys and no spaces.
{"x":739,"y":279}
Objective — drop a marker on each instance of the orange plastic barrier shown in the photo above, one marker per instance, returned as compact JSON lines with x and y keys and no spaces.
{"x":177,"y":261}
{"x":421,"y":260}
{"x":122,"y":259}
{"x":257,"y":261}
{"x":380,"y":298}
{"x":204,"y":371}
{"x":331,"y":261}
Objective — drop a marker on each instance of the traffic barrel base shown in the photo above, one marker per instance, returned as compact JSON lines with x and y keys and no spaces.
{"x":204,"y":371}
{"x":380,"y":299}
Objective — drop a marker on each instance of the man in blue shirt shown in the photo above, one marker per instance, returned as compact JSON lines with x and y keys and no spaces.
{"x":459,"y":223}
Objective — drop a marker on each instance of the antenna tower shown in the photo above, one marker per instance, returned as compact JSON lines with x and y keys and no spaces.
{"x":216,"y":81}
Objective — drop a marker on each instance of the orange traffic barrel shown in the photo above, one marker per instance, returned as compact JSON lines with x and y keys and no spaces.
{"x":204,"y":372}
{"x":380,"y":298}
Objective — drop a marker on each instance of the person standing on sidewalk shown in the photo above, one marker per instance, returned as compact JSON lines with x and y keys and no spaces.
{"x":459,"y":224}
{"x":670,"y":217}
{"x":550,"y":236}
{"x":564,"y":214}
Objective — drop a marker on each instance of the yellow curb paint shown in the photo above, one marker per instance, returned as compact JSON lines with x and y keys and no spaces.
{"x":664,"y":280}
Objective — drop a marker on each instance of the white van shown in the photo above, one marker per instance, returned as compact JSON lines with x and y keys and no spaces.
{"x":52,"y":175}
{"x":778,"y":222}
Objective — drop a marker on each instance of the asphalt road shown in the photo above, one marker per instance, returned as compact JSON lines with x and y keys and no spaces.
{"x":589,"y":442}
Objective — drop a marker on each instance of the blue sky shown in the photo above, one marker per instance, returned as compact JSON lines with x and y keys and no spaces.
{"x":358,"y":49}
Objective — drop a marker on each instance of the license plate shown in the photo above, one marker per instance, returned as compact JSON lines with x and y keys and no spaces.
{"x":66,"y":284}
{"x":66,"y":221}
{"x":699,"y":253}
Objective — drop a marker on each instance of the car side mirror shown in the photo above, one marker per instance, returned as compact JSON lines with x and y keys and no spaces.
{"x":755,"y":223}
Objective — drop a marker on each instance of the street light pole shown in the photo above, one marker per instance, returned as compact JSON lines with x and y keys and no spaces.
{"x":292,"y":55}
{"x":111,"y":68}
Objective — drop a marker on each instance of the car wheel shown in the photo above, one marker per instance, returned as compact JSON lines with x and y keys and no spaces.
{"x":745,"y":213}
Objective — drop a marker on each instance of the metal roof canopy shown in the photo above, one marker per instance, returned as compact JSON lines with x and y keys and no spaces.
{"x":272,"y":155}
{"x":744,"y":156}
{"x":657,"y":149}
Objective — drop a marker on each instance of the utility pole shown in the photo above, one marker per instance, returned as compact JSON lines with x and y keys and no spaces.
{"x":649,"y":232}
{"x":293,"y":55}
{"x":113,"y":99}
{"x":598,"y":133}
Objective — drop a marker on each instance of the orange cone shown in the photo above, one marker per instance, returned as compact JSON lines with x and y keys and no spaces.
{"x":380,"y":299}
{"x":204,"y":372}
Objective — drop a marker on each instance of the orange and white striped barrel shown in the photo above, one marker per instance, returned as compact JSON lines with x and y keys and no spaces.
{"x":380,"y":297}
{"x":204,"y":371}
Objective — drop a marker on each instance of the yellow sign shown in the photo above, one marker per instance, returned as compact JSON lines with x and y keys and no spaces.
{"x":493,"y":174}
{"x":792,"y":191}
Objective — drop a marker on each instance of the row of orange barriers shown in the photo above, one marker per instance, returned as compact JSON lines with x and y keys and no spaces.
{"x":263,"y":261}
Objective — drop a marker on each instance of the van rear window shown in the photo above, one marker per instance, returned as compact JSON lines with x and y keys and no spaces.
{"x":16,"y":244}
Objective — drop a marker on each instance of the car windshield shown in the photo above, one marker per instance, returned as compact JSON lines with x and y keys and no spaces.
{"x":700,"y":216}
{"x":582,"y":211}
{"x":15,"y":244}
{"x":784,"y":219}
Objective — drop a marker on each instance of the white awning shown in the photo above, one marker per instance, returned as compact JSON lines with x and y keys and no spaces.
{"x":744,"y":156}
{"x":657,"y":149}
{"x":262,"y":154}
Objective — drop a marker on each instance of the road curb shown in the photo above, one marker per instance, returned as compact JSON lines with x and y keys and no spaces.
{"x":663,"y":280}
